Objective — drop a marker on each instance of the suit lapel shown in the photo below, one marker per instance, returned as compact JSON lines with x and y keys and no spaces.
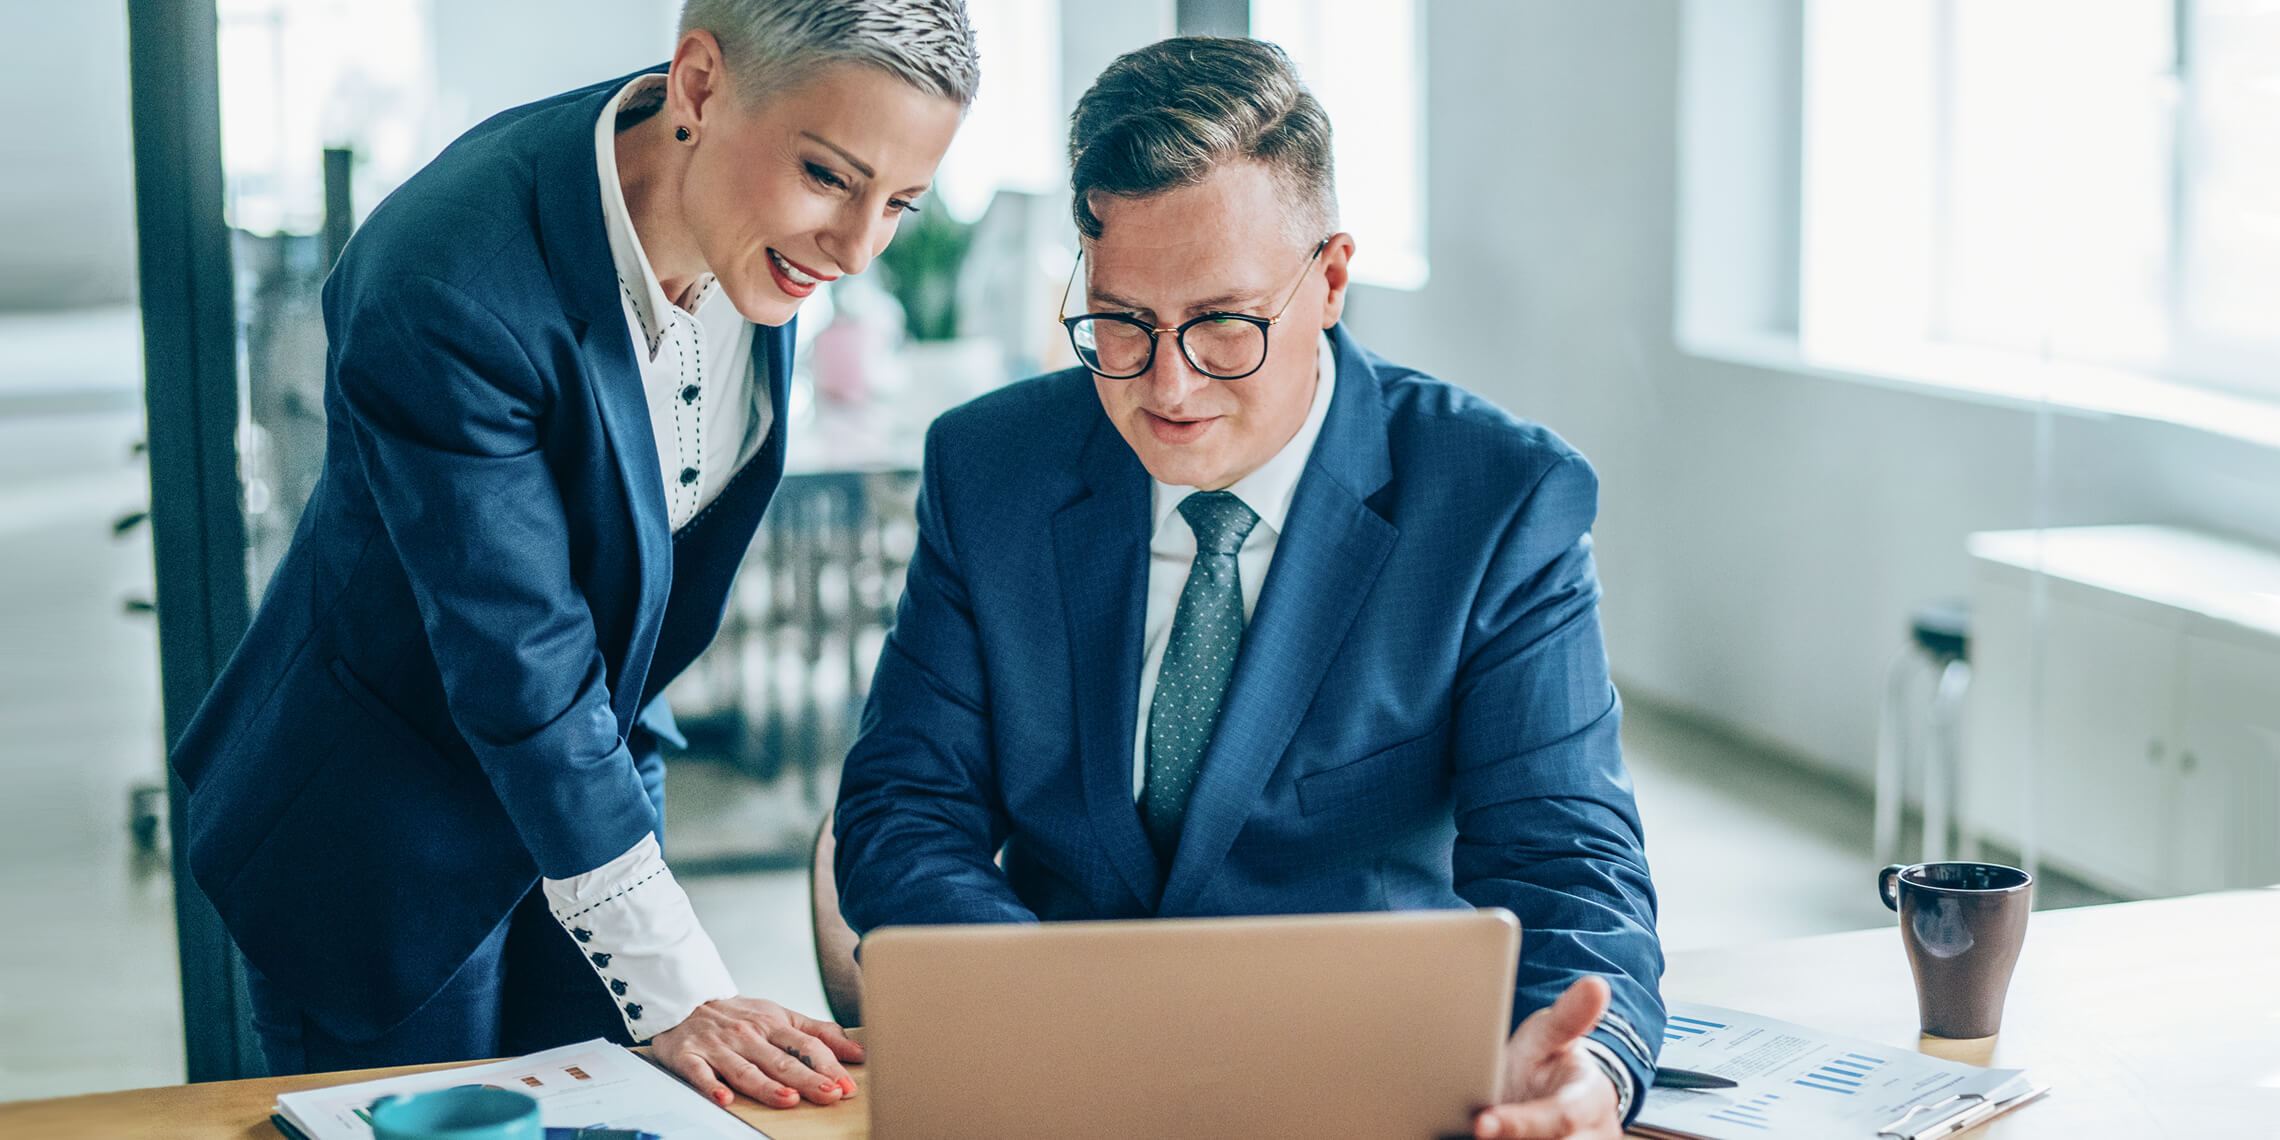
{"x":772,"y":357}
{"x":1326,"y":562}
{"x":1100,"y":549}
{"x":585,"y":279}
{"x":624,"y":411}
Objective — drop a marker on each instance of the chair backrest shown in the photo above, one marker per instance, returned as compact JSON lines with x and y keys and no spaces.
{"x":834,"y":939}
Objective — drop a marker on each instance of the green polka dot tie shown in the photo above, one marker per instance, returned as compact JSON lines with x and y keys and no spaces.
{"x":1206,"y":631}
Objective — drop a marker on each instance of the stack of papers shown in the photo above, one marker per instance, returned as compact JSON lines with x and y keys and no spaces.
{"x":594,"y":1085}
{"x":1800,"y":1082}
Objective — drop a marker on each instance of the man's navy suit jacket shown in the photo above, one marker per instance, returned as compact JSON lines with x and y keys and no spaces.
{"x":443,"y":694}
{"x":1420,"y":715}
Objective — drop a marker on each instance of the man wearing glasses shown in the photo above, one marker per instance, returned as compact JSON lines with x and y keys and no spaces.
{"x":1235,"y":619}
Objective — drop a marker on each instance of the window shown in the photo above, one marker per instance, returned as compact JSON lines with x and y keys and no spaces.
{"x":2086,"y":183}
{"x":1012,"y":137}
{"x":2229,"y":290}
{"x":1364,"y":59}
{"x":300,"y":75}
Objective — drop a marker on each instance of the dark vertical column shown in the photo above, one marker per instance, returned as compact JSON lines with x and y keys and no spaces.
{"x":340,"y":209}
{"x":1212,"y":17}
{"x":190,"y":393}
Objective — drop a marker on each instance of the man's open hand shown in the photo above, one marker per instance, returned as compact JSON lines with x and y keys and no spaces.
{"x":760,"y":1049}
{"x":1553,"y":1089}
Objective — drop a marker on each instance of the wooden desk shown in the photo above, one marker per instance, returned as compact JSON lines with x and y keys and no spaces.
{"x":2148,"y":1019}
{"x":239,"y":1110}
{"x":2153,"y":1018}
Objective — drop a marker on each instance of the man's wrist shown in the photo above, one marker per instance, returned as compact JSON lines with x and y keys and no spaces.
{"x":1618,"y":1073}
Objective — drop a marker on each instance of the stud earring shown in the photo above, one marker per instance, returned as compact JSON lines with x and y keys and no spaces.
{"x":681,"y":133}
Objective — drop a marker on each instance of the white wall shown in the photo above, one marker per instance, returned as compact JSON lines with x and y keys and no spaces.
{"x":67,"y":200}
{"x":497,"y":54}
{"x":67,"y":209}
{"x":1762,"y":534}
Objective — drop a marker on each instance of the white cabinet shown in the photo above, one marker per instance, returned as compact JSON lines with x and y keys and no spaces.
{"x":2125,"y":705}
{"x":2226,"y":827}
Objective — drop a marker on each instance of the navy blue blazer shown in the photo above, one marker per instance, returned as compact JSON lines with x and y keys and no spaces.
{"x":451,"y":686}
{"x":1420,"y":715}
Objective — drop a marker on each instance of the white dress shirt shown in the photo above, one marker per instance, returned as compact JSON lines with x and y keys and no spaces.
{"x":629,"y":915}
{"x":696,"y":362}
{"x":1268,"y":491}
{"x":1171,"y":548}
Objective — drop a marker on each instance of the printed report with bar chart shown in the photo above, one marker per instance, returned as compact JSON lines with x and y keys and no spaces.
{"x":594,"y":1085}
{"x":1793,"y":1081}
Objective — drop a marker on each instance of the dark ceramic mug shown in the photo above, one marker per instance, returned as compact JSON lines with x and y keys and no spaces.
{"x":1963,"y":924}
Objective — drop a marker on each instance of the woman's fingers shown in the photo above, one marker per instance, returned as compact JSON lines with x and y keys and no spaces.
{"x":699,"y":1073}
{"x":806,"y":1064}
{"x":845,"y":1047}
{"x":750,"y":1078}
{"x":762,"y":1050}
{"x":815,"y":1049}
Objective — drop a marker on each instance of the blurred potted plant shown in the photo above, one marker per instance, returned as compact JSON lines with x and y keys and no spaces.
{"x":922,"y":268}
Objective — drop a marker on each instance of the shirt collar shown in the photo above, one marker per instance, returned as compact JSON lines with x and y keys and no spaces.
{"x":1269,"y":490}
{"x":636,"y":279}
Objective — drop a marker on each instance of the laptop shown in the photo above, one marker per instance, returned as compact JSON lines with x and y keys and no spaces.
{"x":1377,"y":1026}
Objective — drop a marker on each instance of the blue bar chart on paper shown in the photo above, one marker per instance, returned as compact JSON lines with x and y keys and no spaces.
{"x":1756,"y":1112}
{"x":1843,"y":1075}
{"x":1791,"y":1080}
{"x":1678,"y":1028}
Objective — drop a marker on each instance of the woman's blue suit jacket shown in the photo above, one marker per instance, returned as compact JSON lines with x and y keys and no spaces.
{"x":450,"y":687}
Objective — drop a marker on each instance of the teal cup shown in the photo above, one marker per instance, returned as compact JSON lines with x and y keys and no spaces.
{"x":471,"y":1112}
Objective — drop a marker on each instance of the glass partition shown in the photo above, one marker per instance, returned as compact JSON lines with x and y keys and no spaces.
{"x":93,"y":1001}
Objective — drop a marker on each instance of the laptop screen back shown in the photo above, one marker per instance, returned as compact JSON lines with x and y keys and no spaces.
{"x":1367,"y":1026}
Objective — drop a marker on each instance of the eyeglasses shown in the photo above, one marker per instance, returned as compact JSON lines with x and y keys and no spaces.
{"x":1223,"y":346}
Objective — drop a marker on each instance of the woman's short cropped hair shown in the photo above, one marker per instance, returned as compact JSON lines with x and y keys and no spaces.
{"x":769,"y":45}
{"x":1167,"y":115}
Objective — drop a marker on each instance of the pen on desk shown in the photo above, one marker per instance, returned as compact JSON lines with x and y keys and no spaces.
{"x":1689,"y":1079}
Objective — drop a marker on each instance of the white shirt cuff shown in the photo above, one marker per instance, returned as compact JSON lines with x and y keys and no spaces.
{"x":1617,"y":1072}
{"x":640,"y":934}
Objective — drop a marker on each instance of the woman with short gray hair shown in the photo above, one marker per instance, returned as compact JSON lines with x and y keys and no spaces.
{"x":426,"y":791}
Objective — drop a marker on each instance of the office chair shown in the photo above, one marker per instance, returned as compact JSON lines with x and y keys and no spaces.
{"x":834,"y":939}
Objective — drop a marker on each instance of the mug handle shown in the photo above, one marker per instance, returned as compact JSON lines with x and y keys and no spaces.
{"x":1888,"y":884}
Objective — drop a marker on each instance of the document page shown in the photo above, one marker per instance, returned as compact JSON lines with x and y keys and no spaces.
{"x":1796,"y":1081}
{"x":594,"y":1085}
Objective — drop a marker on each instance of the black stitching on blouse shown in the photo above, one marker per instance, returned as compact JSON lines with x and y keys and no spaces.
{"x":621,"y":892}
{"x":697,"y":419}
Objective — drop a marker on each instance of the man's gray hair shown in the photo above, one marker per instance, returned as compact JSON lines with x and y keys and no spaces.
{"x":1167,"y":115}
{"x":769,"y":45}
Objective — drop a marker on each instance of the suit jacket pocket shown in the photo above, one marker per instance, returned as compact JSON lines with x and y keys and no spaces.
{"x":395,"y":724}
{"x":1410,"y":771}
{"x":380,"y":875}
{"x":234,"y":823}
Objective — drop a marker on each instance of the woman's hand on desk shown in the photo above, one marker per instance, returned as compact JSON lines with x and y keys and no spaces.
{"x":1553,"y":1090}
{"x":760,"y":1049}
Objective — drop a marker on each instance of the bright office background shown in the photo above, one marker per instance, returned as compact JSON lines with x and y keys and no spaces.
{"x":1857,"y":307}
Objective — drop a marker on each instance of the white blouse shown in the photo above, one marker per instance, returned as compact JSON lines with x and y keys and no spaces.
{"x":707,"y":407}
{"x":709,"y":415}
